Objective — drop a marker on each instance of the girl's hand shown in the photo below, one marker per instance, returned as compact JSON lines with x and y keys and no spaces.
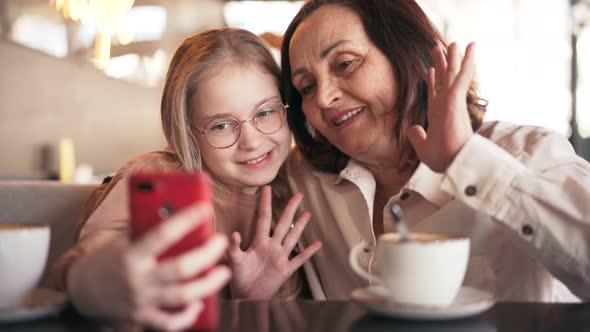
{"x":124,"y":280}
{"x":449,"y":126}
{"x":260,"y":271}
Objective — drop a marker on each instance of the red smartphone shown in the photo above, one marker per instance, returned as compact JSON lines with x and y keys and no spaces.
{"x":154,"y":197}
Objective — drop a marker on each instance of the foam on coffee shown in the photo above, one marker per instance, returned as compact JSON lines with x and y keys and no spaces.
{"x":421,"y":237}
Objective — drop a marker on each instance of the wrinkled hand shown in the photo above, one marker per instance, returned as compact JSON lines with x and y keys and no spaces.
{"x":259,"y":271}
{"x":449,"y":126}
{"x":123,"y":279}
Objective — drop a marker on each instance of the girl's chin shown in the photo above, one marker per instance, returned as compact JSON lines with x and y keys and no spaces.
{"x":252,"y":184}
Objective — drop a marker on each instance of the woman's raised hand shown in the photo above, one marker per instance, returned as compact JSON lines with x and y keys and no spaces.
{"x":259,"y":271}
{"x":130,"y":282}
{"x":449,"y":125}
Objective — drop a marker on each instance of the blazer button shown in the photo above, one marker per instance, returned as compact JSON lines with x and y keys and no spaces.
{"x":470,"y":190}
{"x":527,"y":230}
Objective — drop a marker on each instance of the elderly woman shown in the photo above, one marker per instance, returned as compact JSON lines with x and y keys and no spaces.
{"x":384,"y":112}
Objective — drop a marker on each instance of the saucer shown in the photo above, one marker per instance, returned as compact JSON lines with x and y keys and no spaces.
{"x":40,"y":303}
{"x":468,"y":302}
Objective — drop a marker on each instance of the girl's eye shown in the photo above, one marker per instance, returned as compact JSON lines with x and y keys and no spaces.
{"x":264,"y":113}
{"x":221,"y":126}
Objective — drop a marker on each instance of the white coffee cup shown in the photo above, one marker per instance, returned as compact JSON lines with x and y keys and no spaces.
{"x":23,"y":255}
{"x":428,"y":269}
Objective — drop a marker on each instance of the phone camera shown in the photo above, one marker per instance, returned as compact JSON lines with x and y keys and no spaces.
{"x":166,"y":210}
{"x":145,"y":186}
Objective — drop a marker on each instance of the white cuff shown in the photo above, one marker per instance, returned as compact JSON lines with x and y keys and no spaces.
{"x":480,"y":176}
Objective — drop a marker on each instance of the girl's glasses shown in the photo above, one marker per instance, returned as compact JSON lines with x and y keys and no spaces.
{"x":223,"y":132}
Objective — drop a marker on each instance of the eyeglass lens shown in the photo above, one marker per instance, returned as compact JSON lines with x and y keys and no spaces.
{"x":224,"y":132}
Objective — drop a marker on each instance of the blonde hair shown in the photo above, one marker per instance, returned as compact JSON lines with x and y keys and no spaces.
{"x":195,"y":60}
{"x":198,"y":58}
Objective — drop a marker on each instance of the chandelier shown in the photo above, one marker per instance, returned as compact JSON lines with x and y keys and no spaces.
{"x":106,"y":14}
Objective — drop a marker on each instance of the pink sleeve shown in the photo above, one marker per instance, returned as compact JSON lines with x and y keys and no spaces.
{"x":106,"y":214}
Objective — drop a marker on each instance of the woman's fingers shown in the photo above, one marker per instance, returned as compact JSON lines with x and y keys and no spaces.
{"x":454,"y":65}
{"x":467,"y":71}
{"x":295,"y":233}
{"x":460,"y":69}
{"x":432,"y":87}
{"x":439,"y":61}
{"x":304,"y":256}
{"x":457,"y":74}
{"x":181,"y":293}
{"x":418,"y":138}
{"x":286,"y":220}
{"x":170,"y":321}
{"x":171,"y":230}
{"x":192,"y":262}
{"x":264,"y":213}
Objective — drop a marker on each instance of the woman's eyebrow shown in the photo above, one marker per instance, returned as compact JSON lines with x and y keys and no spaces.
{"x":330,"y":47}
{"x":323,"y":54}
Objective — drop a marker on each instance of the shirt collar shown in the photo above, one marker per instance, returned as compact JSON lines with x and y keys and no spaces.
{"x":353,"y":172}
{"x":424,"y":181}
{"x":357,"y":174}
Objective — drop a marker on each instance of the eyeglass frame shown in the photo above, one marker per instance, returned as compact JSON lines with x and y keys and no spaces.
{"x":240,"y":122}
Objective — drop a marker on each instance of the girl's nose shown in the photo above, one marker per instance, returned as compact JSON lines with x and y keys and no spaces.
{"x":250,"y":137}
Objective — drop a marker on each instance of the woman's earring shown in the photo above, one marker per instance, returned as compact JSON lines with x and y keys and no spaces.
{"x":310,"y":129}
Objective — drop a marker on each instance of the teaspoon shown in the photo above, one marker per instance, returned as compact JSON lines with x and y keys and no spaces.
{"x":400,"y":225}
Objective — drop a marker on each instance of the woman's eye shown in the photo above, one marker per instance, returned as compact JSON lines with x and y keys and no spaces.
{"x":345,"y":64}
{"x":306,"y":89}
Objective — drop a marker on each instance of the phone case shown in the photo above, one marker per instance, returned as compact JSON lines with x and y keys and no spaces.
{"x":156,"y":196}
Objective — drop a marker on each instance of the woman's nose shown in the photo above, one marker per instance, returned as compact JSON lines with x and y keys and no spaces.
{"x":327,"y":93}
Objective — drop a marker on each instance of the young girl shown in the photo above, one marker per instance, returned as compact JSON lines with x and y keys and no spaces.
{"x":221,"y":112}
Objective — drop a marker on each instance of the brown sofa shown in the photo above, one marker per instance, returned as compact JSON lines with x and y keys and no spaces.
{"x":45,"y":202}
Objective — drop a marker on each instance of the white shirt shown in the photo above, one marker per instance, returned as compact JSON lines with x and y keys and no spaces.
{"x":520,"y":193}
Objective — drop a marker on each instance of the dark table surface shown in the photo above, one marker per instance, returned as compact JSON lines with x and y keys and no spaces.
{"x":304,"y":315}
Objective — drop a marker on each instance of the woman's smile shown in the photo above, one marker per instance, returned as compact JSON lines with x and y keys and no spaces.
{"x":346,"y":118}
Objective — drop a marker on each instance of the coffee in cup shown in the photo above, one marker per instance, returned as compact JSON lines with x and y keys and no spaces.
{"x":427,"y":269}
{"x":23,"y":255}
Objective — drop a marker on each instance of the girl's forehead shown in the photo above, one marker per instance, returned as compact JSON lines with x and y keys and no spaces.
{"x":234,"y":90}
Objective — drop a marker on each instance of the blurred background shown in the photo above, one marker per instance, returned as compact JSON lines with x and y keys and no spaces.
{"x":82,"y":79}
